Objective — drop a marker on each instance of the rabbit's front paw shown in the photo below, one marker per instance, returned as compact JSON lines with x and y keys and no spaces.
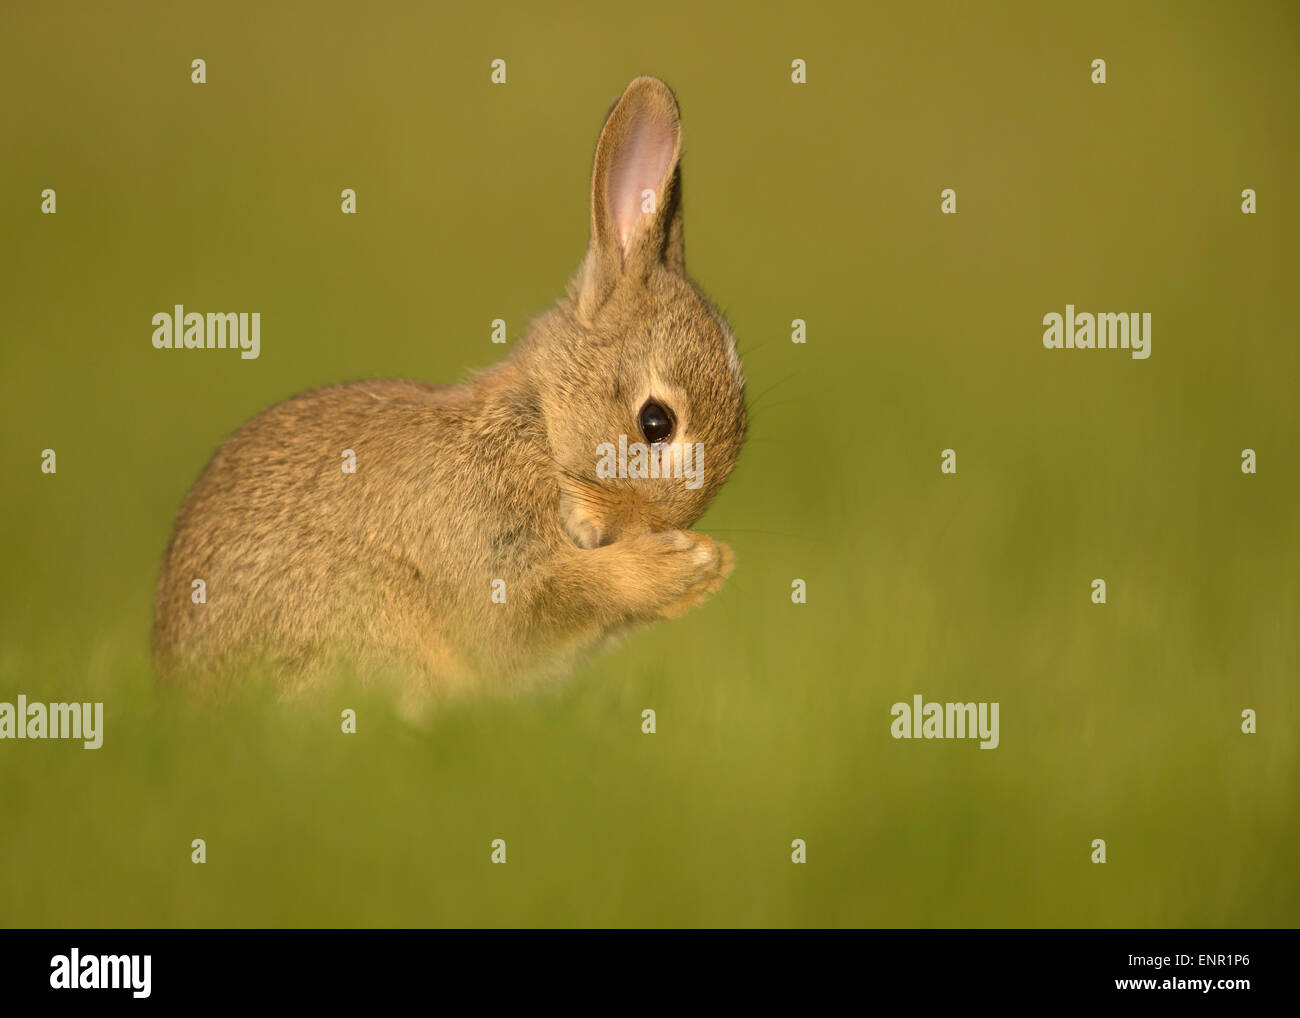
{"x":689,"y":568}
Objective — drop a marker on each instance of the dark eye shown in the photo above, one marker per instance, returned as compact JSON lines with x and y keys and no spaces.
{"x":656,"y":422}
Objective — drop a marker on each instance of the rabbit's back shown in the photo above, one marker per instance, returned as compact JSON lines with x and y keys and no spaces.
{"x":332,"y":518}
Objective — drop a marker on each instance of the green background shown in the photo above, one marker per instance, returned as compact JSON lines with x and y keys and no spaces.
{"x":818,"y":202}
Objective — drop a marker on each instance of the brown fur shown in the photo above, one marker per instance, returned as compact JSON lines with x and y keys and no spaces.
{"x":390,"y":568}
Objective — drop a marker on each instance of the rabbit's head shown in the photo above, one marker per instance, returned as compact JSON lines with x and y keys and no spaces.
{"x":637,"y":374}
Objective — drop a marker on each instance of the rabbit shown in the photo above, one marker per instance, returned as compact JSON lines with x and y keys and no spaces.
{"x":476,"y":542}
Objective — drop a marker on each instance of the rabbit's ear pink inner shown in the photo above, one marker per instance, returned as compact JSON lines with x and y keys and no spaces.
{"x":640,"y":165}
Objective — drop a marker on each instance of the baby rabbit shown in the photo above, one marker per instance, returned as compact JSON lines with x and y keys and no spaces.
{"x":487,"y":534}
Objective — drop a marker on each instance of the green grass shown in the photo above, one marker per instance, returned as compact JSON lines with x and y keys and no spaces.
{"x":1119,"y":721}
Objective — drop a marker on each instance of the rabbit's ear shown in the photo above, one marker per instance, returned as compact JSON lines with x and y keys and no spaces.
{"x":635,"y":190}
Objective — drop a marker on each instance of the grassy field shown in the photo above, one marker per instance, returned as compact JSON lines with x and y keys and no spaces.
{"x":820,"y":201}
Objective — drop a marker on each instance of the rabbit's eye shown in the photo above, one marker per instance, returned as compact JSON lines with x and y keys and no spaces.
{"x":656,"y":422}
